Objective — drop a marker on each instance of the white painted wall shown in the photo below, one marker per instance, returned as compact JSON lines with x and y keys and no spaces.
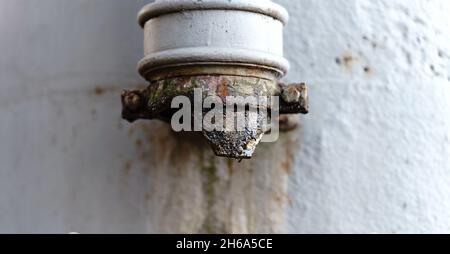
{"x":372,"y":156}
{"x":376,"y":151}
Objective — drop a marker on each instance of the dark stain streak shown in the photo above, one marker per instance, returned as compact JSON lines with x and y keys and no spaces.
{"x":138,"y":143}
{"x":230,"y":164}
{"x":99,"y":91}
{"x":288,"y":162}
{"x":174,"y":153}
{"x":348,"y":59}
{"x":127,"y":168}
{"x":368,"y":70}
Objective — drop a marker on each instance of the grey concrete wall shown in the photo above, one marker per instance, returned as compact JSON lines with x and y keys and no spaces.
{"x":372,"y":156}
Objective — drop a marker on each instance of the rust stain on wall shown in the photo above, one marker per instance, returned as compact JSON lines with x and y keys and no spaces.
{"x":103,"y":89}
{"x":99,"y":91}
{"x":348,"y":60}
{"x":128,"y":166}
{"x":193,"y":191}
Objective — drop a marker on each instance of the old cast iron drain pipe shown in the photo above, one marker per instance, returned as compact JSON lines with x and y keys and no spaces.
{"x":227,"y":48}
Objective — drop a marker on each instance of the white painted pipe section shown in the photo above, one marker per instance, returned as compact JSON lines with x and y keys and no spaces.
{"x":240,"y":32}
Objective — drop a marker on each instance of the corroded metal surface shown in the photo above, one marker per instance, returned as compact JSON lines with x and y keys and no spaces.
{"x":294,"y":99}
{"x":154,"y":102}
{"x":159,"y":94}
{"x":237,"y":144}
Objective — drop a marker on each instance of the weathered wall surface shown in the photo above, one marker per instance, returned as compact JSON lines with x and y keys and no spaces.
{"x":375,"y":155}
{"x":372,"y":156}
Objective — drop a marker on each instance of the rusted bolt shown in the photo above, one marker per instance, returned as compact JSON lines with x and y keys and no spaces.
{"x":134,"y":106}
{"x":291,"y":94}
{"x":131,"y":101}
{"x":294,"y":99}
